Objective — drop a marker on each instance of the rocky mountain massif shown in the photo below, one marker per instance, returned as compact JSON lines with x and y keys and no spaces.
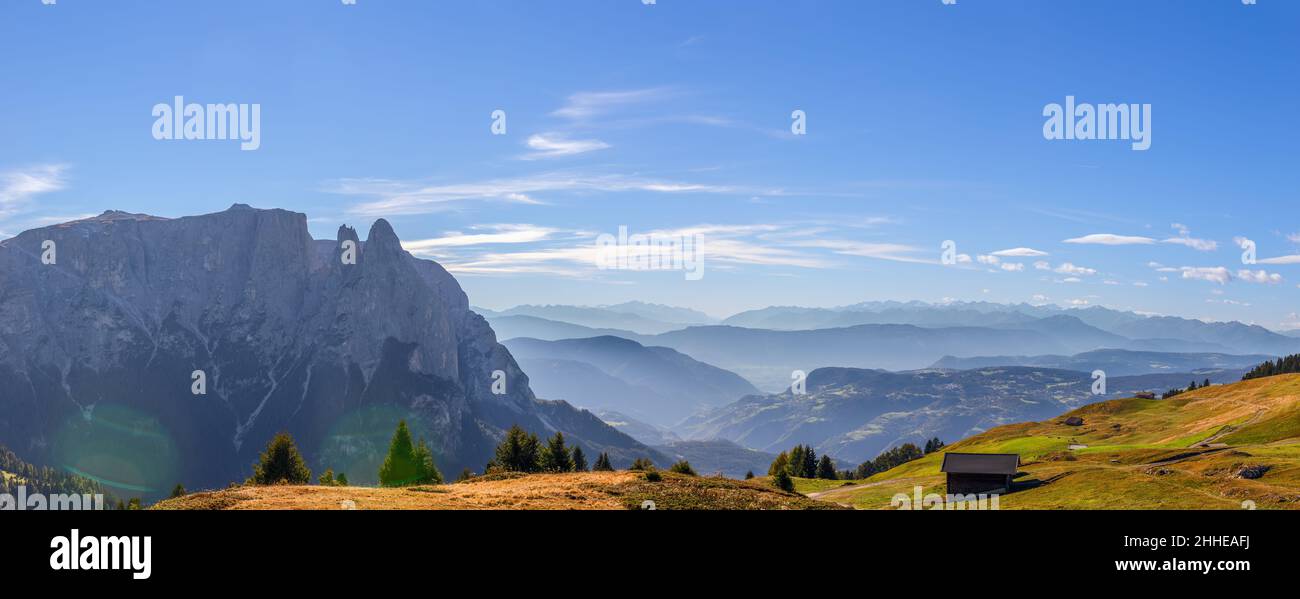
{"x":100,"y":349}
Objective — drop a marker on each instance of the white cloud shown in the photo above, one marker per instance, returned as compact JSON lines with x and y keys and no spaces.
{"x":1110,"y":239}
{"x":987,"y":259}
{"x":1185,"y":238}
{"x":1072,"y":280}
{"x":1070,"y":269}
{"x":397,"y":197}
{"x":882,"y":251}
{"x":1013,"y":267}
{"x":499,"y":234}
{"x":552,"y":145}
{"x":1291,"y":259}
{"x":1213,"y":274}
{"x":583,"y":106}
{"x":19,"y":185}
{"x":1019,"y":253}
{"x":1259,"y":276}
{"x":1042,"y":265}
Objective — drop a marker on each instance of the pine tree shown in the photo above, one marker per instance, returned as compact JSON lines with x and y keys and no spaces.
{"x":465,"y":475}
{"x":809,"y":469}
{"x":795,"y":466}
{"x":579,"y":460}
{"x":341,"y":480}
{"x":400,"y":467}
{"x":426,"y":471}
{"x":326,"y":479}
{"x":783,"y":481}
{"x":642,"y":464}
{"x":555,"y":458}
{"x":178,"y":491}
{"x":826,"y":468}
{"x":518,"y":452}
{"x":602,"y":464}
{"x":281,"y":463}
{"x":682,"y":467}
{"x":749,"y":475}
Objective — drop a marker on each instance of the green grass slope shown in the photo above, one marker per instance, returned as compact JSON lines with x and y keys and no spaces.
{"x":1213,"y":448}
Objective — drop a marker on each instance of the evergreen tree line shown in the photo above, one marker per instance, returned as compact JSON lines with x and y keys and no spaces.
{"x":522,"y":451}
{"x":802,"y":462}
{"x":1192,"y":387}
{"x":41,"y":479}
{"x":410,"y":463}
{"x":1287,"y":365}
{"x":896,"y":457}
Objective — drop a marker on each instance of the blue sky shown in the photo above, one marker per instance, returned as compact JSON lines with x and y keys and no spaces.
{"x":924,"y":124}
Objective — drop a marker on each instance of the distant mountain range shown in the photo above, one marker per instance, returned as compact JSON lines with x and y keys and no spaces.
{"x":655,"y":384}
{"x":638,"y":317}
{"x":854,"y":414}
{"x":912,"y":335}
{"x":1116,"y":362}
{"x":718,"y":456}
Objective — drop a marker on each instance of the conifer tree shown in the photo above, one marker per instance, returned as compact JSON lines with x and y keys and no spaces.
{"x":579,"y":459}
{"x":556,"y":458}
{"x":518,"y":452}
{"x":783,"y":481}
{"x":281,"y":463}
{"x":809,"y":468}
{"x":602,"y":463}
{"x":400,"y":467}
{"x":826,"y":468}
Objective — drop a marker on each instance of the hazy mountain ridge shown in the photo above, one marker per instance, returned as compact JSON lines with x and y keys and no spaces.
{"x":1115,"y":362}
{"x":678,"y":385}
{"x":854,"y":414}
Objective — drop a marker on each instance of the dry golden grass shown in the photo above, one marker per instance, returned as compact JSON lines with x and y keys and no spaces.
{"x":577,"y":491}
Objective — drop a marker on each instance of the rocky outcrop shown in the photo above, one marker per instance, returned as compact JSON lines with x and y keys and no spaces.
{"x":98,"y":352}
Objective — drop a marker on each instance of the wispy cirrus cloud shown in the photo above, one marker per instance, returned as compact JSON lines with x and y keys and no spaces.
{"x":19,"y":185}
{"x":587,"y":105}
{"x":387,"y":197}
{"x":1185,"y":238}
{"x":554,"y":145}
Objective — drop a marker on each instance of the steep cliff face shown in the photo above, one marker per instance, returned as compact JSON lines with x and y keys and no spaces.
{"x":97,"y":352}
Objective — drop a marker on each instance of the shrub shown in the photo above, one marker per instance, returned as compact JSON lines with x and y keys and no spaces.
{"x":783,"y":481}
{"x":642,"y":464}
{"x":653,"y":476}
{"x":682,"y":467}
